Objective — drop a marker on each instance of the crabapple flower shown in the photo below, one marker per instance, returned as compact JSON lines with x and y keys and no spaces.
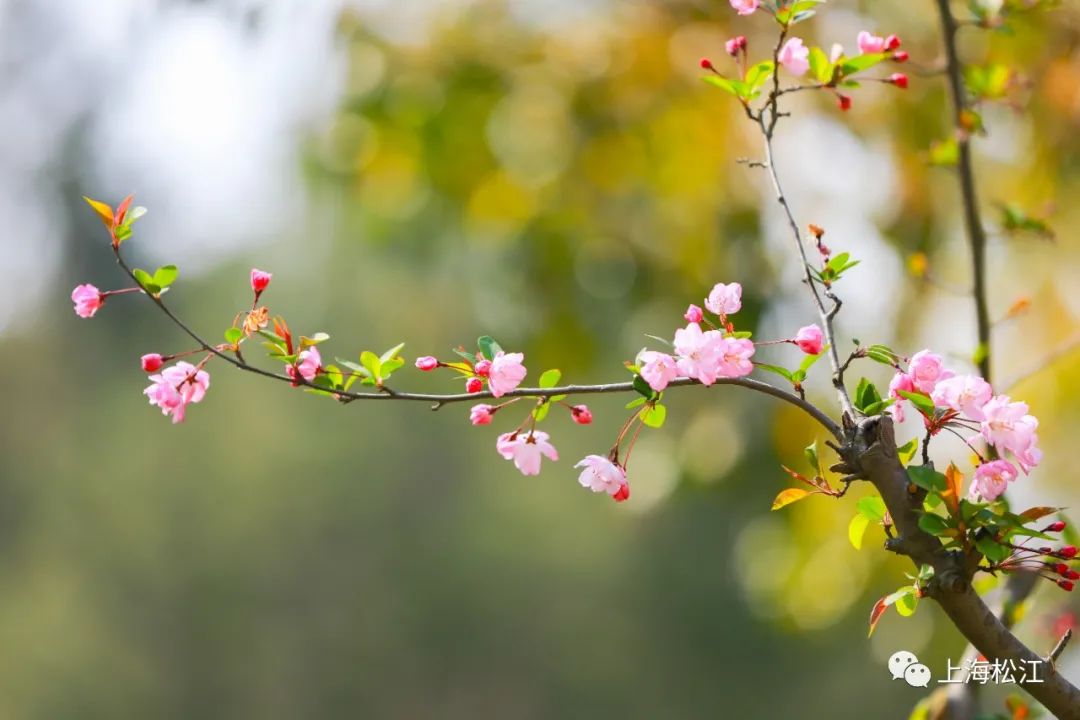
{"x":88,"y":300}
{"x":474,"y":385}
{"x":795,"y":57}
{"x":693,"y":314}
{"x":892,"y":42}
{"x":481,"y":414}
{"x":698,"y":353}
{"x":582,"y":414}
{"x":657,"y":368}
{"x":307,"y":366}
{"x":1008,"y":427}
{"x":735,"y":44}
{"x":724,"y":299}
{"x":427,"y":363}
{"x":964,"y":393}
{"x":602,"y":475}
{"x":152,"y":362}
{"x":735,"y":354}
{"x":992,"y":478}
{"x":900,"y":80}
{"x":177,"y":387}
{"x":745,"y":7}
{"x":900,"y":381}
{"x":809,"y":339}
{"x":869,"y":43}
{"x":506,"y":372}
{"x":927,"y":369}
{"x":482,"y":367}
{"x":526,"y":449}
{"x":260,"y":279}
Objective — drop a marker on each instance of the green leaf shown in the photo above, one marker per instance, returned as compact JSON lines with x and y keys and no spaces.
{"x":735,"y":87}
{"x":857,"y":530}
{"x":782,"y":372}
{"x":643,"y":387}
{"x":811,"y":454}
{"x":907,"y":603}
{"x":391,"y":353}
{"x":933,"y":524}
{"x":233,"y":335}
{"x":390,"y":366}
{"x":371,"y":363}
{"x":921,"y":402}
{"x":859,"y":63}
{"x":927,"y":478}
{"x":944,"y":153}
{"x":654,"y":415}
{"x":866,"y":395}
{"x":165,"y":276}
{"x":550,"y":378}
{"x":541,"y":411}
{"x":907,"y":450}
{"x":872,"y":508}
{"x":820,"y":67}
{"x":758,"y":75}
{"x":993,"y":551}
{"x":142,"y":277}
{"x":306,"y":342}
{"x":809,"y":360}
{"x":636,"y":402}
{"x":488,"y":347}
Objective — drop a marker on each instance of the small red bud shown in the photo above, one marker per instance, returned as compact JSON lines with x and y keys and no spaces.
{"x":1061,"y":568}
{"x":482,"y":368}
{"x":623,"y":494}
{"x":900,"y":80}
{"x":1072,"y":575}
{"x":900,"y":56}
{"x":260,"y":279}
{"x":581,"y":414}
{"x":844,"y":101}
{"x":892,"y":42}
{"x":1066,"y":585}
{"x":706,"y":64}
{"x":474,"y":385}
{"x":152,"y":362}
{"x":1055,"y":526}
{"x":1069,"y":551}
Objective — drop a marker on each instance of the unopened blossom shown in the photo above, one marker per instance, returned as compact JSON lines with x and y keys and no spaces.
{"x":526,"y":449}
{"x":88,"y":300}
{"x":795,"y":57}
{"x":734,"y":357}
{"x":427,"y":363}
{"x":964,"y":393}
{"x":307,"y":366}
{"x":693,"y":314}
{"x":698,"y":353}
{"x":892,"y":42}
{"x":836,"y":52}
{"x":745,"y":7}
{"x":481,"y":414}
{"x":992,"y":478}
{"x":506,"y":372}
{"x":810,"y":339}
{"x":900,"y":80}
{"x":735,"y":44}
{"x":482,"y":367}
{"x":1008,"y":426}
{"x":600,"y":474}
{"x":724,"y":299}
{"x":582,"y":414}
{"x":260,"y":279}
{"x":657,"y":368}
{"x":474,"y":385}
{"x":900,"y":381}
{"x":870,"y":43}
{"x":927,"y":369}
{"x":177,"y":387}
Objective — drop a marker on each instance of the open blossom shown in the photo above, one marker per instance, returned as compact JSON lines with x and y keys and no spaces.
{"x":525,"y":450}
{"x":506,"y":372}
{"x":260,"y":279}
{"x":481,"y":414}
{"x":900,"y":381}
{"x":602,"y":475}
{"x":810,"y":339}
{"x":992,"y":478}
{"x":88,"y":299}
{"x":734,"y":357}
{"x":964,"y":393}
{"x":176,"y":387}
{"x":745,"y":7}
{"x":1008,"y":426}
{"x":307,"y":366}
{"x":657,"y":368}
{"x":795,"y":57}
{"x":698,"y":353}
{"x":693,"y":314}
{"x":724,"y":299}
{"x":869,"y":43}
{"x":927,"y":369}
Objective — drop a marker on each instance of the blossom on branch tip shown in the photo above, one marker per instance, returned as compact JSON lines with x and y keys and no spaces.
{"x":967,"y":394}
{"x":600,"y":474}
{"x":481,"y":414}
{"x":810,"y":339}
{"x":151,"y":362}
{"x":991,"y":479}
{"x":1008,"y":426}
{"x":927,"y":369}
{"x":427,"y":363}
{"x":88,"y":300}
{"x":526,"y":449}
{"x":724,"y":299}
{"x":307,"y":366}
{"x":657,"y":368}
{"x":795,"y":57}
{"x":870,"y":43}
{"x":698,"y":353}
{"x":581,"y":414}
{"x":260,"y":279}
{"x":745,"y":7}
{"x":506,"y":372}
{"x":176,"y":387}
{"x":734,"y":357}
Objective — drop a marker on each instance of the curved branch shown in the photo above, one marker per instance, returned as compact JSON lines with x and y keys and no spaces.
{"x":438,"y":400}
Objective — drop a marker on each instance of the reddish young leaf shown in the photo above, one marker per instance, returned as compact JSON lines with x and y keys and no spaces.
{"x":786,"y":497}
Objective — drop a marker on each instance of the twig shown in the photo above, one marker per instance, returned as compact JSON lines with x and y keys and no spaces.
{"x":1060,"y":647}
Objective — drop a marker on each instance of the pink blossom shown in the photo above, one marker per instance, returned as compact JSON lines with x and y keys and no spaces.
{"x":525,"y":450}
{"x":735,"y":44}
{"x":810,"y":339}
{"x":176,"y":387}
{"x":1008,"y":427}
{"x":506,"y":372}
{"x":481,"y":414}
{"x":734,"y":360}
{"x":427,"y":363}
{"x":152,"y":362}
{"x":693,"y":314}
{"x":900,"y":381}
{"x":698,"y":353}
{"x":582,"y":414}
{"x":600,"y":474}
{"x":927,"y":369}
{"x":964,"y":393}
{"x":657,"y":368}
{"x":307,"y":366}
{"x":482,"y":367}
{"x":724,"y":299}
{"x":474,"y":385}
{"x":260,"y":279}
{"x":745,"y":7}
{"x":991,"y":479}
{"x":795,"y":57}
{"x":88,"y":299}
{"x":870,"y":43}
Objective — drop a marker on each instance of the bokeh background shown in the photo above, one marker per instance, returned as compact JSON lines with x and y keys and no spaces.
{"x":550,"y":172}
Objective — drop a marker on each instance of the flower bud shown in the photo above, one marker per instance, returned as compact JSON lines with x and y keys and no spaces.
{"x":735,"y":44}
{"x":1071,"y":575}
{"x":694,"y":314}
{"x":1066,"y":585}
{"x":1069,"y":551}
{"x":892,"y":42}
{"x":474,"y":385}
{"x":623,"y":494}
{"x":844,"y":101}
{"x":900,"y":80}
{"x":481,"y":414}
{"x":1056,"y":526}
{"x":427,"y":363}
{"x":706,"y":64}
{"x":581,"y":414}
{"x":900,"y":56}
{"x":152,"y":362}
{"x":483,"y":368}
{"x":260,"y":279}
{"x":1060,"y":568}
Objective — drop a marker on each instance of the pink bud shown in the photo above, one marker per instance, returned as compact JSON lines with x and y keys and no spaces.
{"x":152,"y":362}
{"x":892,"y":42}
{"x":844,"y":101}
{"x":900,"y":56}
{"x":427,"y":363}
{"x":694,"y":314}
{"x":1072,"y":575}
{"x":706,"y":64}
{"x":1068,"y":552}
{"x":735,"y":44}
{"x":900,"y":80}
{"x":88,"y":300}
{"x":474,"y":385}
{"x":482,"y":368}
{"x":259,"y":280}
{"x":810,"y":339}
{"x":1057,"y":526}
{"x":481,"y":414}
{"x":1061,"y":568}
{"x":581,"y":414}
{"x":622,"y":494}
{"x":1066,"y":585}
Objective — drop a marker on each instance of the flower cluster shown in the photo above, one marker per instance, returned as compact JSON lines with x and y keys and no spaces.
{"x":176,"y":387}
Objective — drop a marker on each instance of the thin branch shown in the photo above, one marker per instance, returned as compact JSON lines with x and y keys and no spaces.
{"x":1060,"y":647}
